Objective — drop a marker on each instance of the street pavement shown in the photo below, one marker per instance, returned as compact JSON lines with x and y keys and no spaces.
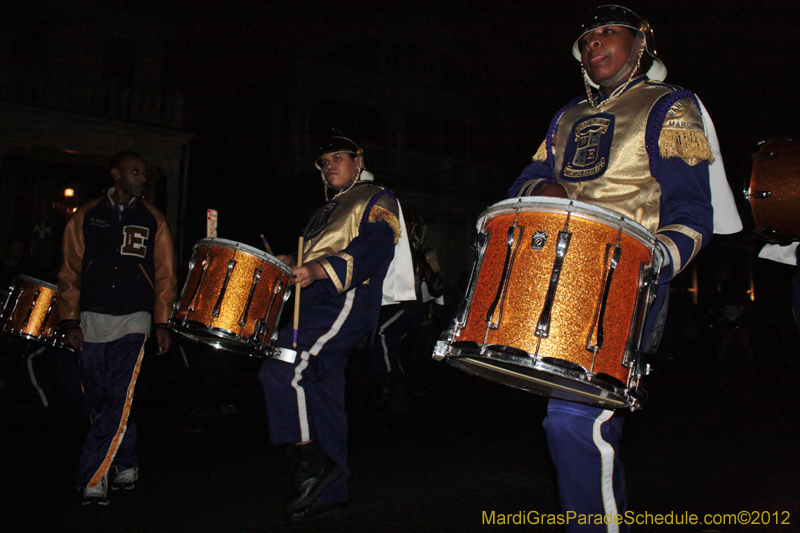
{"x":715,"y":437}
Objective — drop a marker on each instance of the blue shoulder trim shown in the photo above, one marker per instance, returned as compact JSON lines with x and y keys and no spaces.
{"x":551,"y":131}
{"x":656,"y":123}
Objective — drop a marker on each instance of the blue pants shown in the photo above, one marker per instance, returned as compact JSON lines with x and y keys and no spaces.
{"x":109,"y":371}
{"x":301,"y":408}
{"x":305,"y":399}
{"x":584,"y":445}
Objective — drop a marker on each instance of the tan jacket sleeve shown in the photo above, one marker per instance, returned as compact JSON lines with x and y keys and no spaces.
{"x":165,"y":262}
{"x":69,"y":276}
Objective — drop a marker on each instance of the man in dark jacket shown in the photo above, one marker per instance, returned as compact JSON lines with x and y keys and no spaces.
{"x":117,"y":280}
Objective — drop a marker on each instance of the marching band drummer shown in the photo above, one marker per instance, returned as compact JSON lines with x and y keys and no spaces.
{"x":116,"y":284}
{"x":640,"y":147}
{"x":355,"y":257}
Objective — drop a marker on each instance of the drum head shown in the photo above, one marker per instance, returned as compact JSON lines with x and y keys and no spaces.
{"x":563,"y":205}
{"x":35,"y":281}
{"x":244,"y":248}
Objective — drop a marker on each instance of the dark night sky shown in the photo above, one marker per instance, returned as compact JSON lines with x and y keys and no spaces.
{"x":737,"y":55}
{"x":512,"y":58}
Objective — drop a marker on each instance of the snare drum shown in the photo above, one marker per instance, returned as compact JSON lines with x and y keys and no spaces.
{"x":774,"y":191}
{"x":31,"y":311}
{"x":556,"y":301}
{"x":233,"y":297}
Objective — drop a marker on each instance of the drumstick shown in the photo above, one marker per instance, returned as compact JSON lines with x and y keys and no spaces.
{"x":266,"y":245}
{"x":639,"y":215}
{"x":297,"y":293}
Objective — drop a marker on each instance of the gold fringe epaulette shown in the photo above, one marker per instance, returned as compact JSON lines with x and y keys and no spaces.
{"x":691,"y":146}
{"x":384,"y":211}
{"x":541,"y":153}
{"x":683,"y":135}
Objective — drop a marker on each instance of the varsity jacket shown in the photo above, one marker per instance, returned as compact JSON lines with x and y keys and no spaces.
{"x":117,"y":266}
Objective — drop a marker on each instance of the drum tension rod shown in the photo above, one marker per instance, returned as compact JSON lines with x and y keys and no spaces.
{"x":246,"y":311}
{"x":562,"y":246}
{"x":596,"y":335}
{"x":203,"y":269}
{"x":495,"y":312}
{"x":276,"y":290}
{"x":224,"y":288}
{"x":475,"y":262}
{"x":53,"y":300}
{"x":14,"y":308}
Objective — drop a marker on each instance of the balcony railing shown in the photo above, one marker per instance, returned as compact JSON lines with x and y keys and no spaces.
{"x":137,"y":104}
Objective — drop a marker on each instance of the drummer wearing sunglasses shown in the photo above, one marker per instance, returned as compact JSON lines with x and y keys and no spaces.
{"x":646,"y":150}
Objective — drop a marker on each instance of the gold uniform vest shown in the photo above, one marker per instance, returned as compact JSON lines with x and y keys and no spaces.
{"x":336,"y":224}
{"x":626,"y":183}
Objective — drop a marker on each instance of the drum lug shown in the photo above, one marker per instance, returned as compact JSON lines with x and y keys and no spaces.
{"x":476,"y":261}
{"x":442,"y":347}
{"x":562,"y":246}
{"x":228,"y":272}
{"x":440,"y":350}
{"x":203,"y":269}
{"x":636,"y":397}
{"x":757,"y":195}
{"x":253,"y":285}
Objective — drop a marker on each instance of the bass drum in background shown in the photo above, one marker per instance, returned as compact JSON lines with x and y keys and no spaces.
{"x":773,"y":191}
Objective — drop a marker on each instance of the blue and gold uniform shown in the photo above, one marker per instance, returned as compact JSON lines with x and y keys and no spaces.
{"x":352,"y":237}
{"x":646,"y":150}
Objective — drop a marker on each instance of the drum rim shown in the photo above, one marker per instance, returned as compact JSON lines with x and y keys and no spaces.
{"x":36,"y":281}
{"x":591,"y":393}
{"x":53,"y":340}
{"x":194,"y":330}
{"x":629,"y":225}
{"x":246,"y":248}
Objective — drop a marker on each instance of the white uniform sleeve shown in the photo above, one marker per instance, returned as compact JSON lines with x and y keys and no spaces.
{"x":726,"y":216}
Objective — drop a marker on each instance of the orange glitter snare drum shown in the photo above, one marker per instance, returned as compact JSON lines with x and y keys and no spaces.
{"x":774,"y":191}
{"x":232,"y":298}
{"x":556,"y":301}
{"x":31,"y":311}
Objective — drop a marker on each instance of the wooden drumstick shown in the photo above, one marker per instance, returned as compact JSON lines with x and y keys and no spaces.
{"x":639,"y":215}
{"x":297,"y":294}
{"x":266,"y":245}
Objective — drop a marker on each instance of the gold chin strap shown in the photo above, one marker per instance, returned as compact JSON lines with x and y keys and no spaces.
{"x":597,"y":106}
{"x":356,"y":177}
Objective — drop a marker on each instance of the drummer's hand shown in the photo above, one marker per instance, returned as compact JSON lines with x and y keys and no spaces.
{"x":288,"y":259}
{"x":74,"y":339}
{"x":163,"y":340}
{"x":551,"y":188}
{"x":308,"y":274}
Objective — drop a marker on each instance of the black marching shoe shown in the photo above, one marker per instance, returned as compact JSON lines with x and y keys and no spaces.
{"x":313,"y":471}
{"x":318,"y":511}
